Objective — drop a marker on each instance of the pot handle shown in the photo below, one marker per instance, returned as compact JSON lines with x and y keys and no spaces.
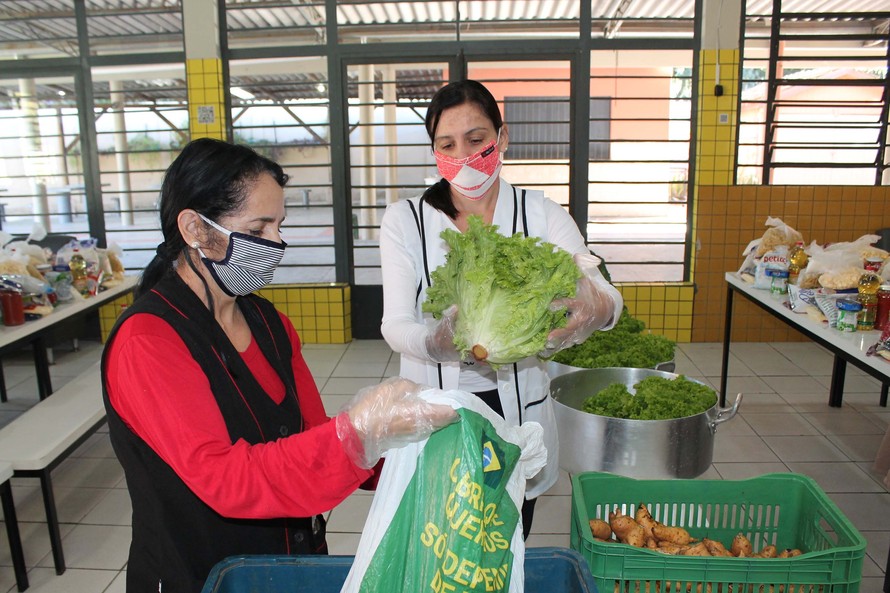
{"x":724,"y":414}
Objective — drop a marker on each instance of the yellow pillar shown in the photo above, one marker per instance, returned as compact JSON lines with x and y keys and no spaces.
{"x":203,"y":69}
{"x":718,"y":94}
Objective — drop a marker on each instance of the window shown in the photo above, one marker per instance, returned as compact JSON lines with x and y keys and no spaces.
{"x":638,"y":163}
{"x":814,"y":105}
{"x":539,"y":128}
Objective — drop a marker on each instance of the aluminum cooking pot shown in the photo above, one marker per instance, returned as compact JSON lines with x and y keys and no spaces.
{"x":556,"y":369}
{"x":675,"y":448}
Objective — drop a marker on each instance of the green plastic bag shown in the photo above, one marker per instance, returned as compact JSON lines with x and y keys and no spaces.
{"x":445,"y":516}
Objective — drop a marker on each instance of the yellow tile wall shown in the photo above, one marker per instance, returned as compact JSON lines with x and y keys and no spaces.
{"x":322,"y":313}
{"x":109,"y":312}
{"x":205,"y":96}
{"x":666,"y":308}
{"x":716,"y":142}
{"x":729,"y":217}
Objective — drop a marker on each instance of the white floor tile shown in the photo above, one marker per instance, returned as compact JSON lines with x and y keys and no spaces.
{"x":804,"y":448}
{"x":104,"y":547}
{"x":857,"y":447}
{"x":350,"y":515}
{"x":836,"y":477}
{"x":744,"y":470}
{"x":119,"y":584}
{"x":784,"y":425}
{"x":779,"y":424}
{"x":73,"y":580}
{"x":741,"y":448}
{"x":347,"y":385}
{"x":838,"y":421}
{"x":113,"y":509}
{"x":360,"y":369}
{"x":765,"y":362}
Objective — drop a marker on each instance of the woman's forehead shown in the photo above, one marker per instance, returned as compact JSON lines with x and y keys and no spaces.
{"x":463,"y":118}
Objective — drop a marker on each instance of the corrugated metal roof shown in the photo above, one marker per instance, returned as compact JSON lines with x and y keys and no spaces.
{"x":41,"y":27}
{"x":147,"y":21}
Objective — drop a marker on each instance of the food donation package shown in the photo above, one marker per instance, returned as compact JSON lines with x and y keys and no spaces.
{"x":446,"y":513}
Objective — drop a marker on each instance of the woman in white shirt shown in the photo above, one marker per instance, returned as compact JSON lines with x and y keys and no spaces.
{"x":468,"y":137}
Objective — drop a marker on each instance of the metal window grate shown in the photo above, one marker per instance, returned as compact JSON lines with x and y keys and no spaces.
{"x":814,"y":102}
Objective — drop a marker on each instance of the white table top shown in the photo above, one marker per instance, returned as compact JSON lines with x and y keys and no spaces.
{"x":16,"y":333}
{"x":855,"y":344}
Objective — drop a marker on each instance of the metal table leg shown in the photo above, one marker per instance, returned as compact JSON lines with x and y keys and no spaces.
{"x":16,"y":551}
{"x":41,"y":364}
{"x":727,"y":333}
{"x":836,"y":391}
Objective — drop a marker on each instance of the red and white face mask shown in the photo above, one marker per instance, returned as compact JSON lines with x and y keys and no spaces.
{"x":474,"y":175}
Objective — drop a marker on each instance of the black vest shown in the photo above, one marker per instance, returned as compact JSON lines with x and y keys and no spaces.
{"x":177,"y":538}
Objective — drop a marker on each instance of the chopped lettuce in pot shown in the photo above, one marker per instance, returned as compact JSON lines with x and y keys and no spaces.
{"x":657,"y":398}
{"x":503,"y":287}
{"x":622,"y":346}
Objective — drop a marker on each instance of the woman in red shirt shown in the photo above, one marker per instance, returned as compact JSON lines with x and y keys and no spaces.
{"x":212,"y":410}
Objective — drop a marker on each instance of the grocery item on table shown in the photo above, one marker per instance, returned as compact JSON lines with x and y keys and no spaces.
{"x":778,"y":281}
{"x":869,"y":283}
{"x":827,"y":302}
{"x":797,"y":261}
{"x":768,"y":252}
{"x":882,"y":316}
{"x":78,"y":266}
{"x":848,"y":315}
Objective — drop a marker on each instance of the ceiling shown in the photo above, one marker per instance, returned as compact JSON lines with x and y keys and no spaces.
{"x":47,"y":28}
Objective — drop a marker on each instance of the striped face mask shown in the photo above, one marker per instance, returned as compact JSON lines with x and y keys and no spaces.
{"x":249,"y":264}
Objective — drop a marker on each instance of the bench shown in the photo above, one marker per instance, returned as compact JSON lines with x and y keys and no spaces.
{"x":39,"y":440}
{"x":12,"y":528}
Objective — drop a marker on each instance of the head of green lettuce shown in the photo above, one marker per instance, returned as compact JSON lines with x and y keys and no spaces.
{"x":503,"y":287}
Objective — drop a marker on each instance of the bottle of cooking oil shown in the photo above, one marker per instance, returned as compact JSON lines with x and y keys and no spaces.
{"x":869,"y":283}
{"x":78,"y":267}
{"x":797,"y":261}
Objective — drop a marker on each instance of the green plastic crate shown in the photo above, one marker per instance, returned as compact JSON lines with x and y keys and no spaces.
{"x":785,"y":510}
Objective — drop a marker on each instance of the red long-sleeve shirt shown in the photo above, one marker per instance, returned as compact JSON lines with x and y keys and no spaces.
{"x":297,"y":476}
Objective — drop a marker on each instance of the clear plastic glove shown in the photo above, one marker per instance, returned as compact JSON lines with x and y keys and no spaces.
{"x":590,"y":310}
{"x":440,"y":341}
{"x":388,"y":416}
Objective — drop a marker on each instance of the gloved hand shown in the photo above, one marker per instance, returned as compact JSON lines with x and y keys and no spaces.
{"x":387,"y":416}
{"x":590,"y":310}
{"x":440,"y":341}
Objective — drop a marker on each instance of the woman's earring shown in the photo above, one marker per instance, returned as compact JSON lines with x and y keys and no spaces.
{"x":194,"y":244}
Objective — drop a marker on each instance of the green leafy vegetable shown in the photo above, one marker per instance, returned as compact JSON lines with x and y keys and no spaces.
{"x":657,"y":398}
{"x":622,"y":346}
{"x":503,"y":287}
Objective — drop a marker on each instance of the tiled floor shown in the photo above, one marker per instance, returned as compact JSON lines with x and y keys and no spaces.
{"x":784,"y":425}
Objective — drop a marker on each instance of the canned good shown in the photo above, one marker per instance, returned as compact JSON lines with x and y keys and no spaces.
{"x":848,"y":315}
{"x":873,"y":264}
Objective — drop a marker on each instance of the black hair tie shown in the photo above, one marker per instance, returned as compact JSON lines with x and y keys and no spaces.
{"x":162,"y":251}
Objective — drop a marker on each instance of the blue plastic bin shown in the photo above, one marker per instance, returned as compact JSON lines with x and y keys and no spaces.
{"x":547,"y":570}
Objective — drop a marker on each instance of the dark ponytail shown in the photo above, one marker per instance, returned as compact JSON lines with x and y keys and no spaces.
{"x":211,"y":177}
{"x":438,"y":195}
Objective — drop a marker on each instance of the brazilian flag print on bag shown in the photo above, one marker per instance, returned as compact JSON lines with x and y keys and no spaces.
{"x":445,"y":516}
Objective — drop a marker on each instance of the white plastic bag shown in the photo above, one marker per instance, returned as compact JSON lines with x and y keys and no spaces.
{"x":446,"y":513}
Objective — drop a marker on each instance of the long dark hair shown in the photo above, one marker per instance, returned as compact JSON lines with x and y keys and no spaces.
{"x":212,"y":178}
{"x":438,"y":195}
